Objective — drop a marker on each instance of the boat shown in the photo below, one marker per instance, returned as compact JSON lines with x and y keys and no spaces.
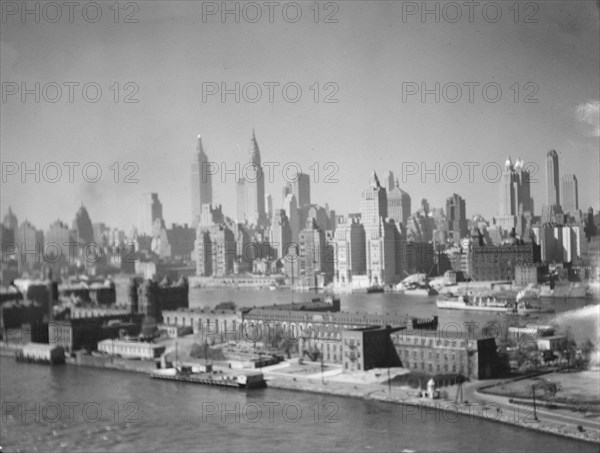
{"x":421,"y":291}
{"x":476,"y":303}
{"x":238,"y":380}
{"x":416,"y":285}
{"x":375,"y":289}
{"x":526,"y":308}
{"x":415,"y":289}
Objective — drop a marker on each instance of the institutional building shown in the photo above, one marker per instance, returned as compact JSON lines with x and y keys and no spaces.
{"x":434,"y":353}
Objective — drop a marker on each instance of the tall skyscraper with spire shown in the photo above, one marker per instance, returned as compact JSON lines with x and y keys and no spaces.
{"x":552,"y":180}
{"x":251,"y":189}
{"x":201,"y":185}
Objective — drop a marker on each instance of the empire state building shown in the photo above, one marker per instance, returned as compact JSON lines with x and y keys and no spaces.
{"x":201,"y":182}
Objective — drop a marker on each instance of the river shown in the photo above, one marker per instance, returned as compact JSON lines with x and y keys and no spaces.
{"x":69,"y":408}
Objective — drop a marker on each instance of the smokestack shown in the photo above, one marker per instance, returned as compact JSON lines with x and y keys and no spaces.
{"x":52,"y":290}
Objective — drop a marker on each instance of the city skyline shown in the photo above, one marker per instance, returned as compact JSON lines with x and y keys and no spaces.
{"x":294,"y":184}
{"x":363,"y":225}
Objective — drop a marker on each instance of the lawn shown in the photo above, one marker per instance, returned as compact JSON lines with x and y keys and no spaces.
{"x":576,"y":387}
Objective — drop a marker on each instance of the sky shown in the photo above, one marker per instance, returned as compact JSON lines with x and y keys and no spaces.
{"x":368,"y":61}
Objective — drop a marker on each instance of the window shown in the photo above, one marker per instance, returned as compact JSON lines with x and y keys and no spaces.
{"x":430,"y":367}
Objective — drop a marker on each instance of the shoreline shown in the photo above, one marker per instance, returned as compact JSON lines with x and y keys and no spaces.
{"x":367,"y":392}
{"x":447,"y":406}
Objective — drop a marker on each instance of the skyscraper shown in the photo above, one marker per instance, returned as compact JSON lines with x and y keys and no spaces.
{"x":398,"y":204}
{"x":269,"y":206}
{"x":291,"y":209}
{"x":373,"y":203}
{"x":57,"y":239}
{"x":151,"y":209}
{"x":456,"y":216}
{"x":552,"y":180}
{"x":10,"y":224}
{"x":201,"y":182}
{"x":251,"y":190}
{"x":515,"y":196}
{"x":350,"y":249}
{"x":30,"y":244}
{"x":570,"y":194}
{"x":379,"y":233}
{"x":316,"y":256}
{"x":280,"y":233}
{"x":391,"y":182}
{"x":84,"y":231}
{"x":301,"y":189}
{"x":10,"y":221}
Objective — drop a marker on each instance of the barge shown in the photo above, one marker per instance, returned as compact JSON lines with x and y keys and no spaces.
{"x":238,"y":380}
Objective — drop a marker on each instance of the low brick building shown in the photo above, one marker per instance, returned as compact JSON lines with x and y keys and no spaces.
{"x":433,"y":353}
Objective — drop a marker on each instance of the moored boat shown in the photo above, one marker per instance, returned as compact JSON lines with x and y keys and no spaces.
{"x":475,"y":303}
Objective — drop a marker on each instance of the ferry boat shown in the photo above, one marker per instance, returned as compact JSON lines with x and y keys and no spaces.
{"x":477,"y":303}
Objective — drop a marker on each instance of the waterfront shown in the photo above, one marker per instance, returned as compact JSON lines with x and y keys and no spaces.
{"x":128,"y":406}
{"x":198,"y":421}
{"x":394,"y":303}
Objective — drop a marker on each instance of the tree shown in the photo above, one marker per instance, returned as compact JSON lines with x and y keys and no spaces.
{"x":226,"y":306}
{"x":549,"y":356}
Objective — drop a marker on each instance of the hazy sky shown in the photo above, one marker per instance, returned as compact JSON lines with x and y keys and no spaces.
{"x":368,"y":54}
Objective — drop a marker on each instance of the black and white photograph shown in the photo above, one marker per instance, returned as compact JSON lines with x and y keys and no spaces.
{"x":300,"y":226}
